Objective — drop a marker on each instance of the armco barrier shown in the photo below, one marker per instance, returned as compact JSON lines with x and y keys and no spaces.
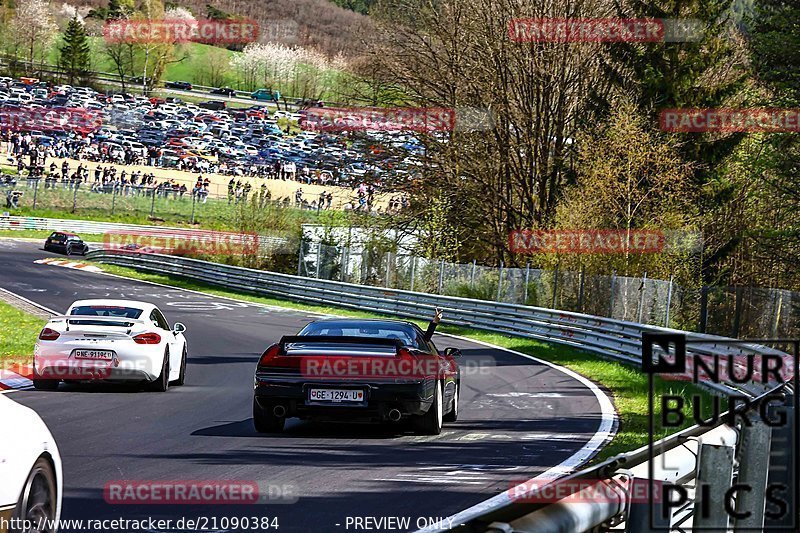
{"x":723,"y":445}
{"x":98,"y":228}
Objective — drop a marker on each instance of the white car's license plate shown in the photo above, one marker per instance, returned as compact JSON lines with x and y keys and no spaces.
{"x":335,"y":395}
{"x":104,"y":355}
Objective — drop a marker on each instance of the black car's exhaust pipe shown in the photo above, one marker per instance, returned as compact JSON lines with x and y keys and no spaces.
{"x":394,"y":415}
{"x":279,"y":411}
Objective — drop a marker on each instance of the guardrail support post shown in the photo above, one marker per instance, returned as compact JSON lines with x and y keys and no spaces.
{"x":343,"y":265}
{"x":639,"y":518}
{"x":581,"y":288}
{"x":113,"y":198}
{"x":36,"y":190}
{"x":413,"y":270}
{"x":555,"y":287}
{"x":703,"y":309}
{"x":611,"y":294}
{"x":499,"y":281}
{"x":784,"y":471}
{"x":441,"y":276}
{"x":194,"y":203}
{"x":714,"y":476}
{"x":319,"y":258}
{"x":753,"y":469}
{"x":669,"y":302}
{"x":153,"y":203}
{"x":300,"y":259}
{"x":388,"y":271}
{"x":527,"y":279}
{"x":75,"y":197}
{"x":472,"y":276}
{"x":642,"y":289}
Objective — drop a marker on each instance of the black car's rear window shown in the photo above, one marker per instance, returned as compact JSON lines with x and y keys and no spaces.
{"x":60,"y":237}
{"x":381,"y":330}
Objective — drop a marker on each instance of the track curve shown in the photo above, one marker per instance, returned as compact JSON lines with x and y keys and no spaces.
{"x":518,"y":418}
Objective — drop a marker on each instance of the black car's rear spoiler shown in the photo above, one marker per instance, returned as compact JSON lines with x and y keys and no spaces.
{"x":329,"y":339}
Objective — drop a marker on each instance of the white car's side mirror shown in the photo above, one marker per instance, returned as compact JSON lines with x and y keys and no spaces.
{"x":178,"y":328}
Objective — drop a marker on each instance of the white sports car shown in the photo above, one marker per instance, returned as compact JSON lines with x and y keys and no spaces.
{"x":115,"y":340}
{"x":30,"y":471}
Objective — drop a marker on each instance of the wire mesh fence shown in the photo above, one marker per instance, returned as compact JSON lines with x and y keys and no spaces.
{"x":730,"y":311}
{"x":91,"y":199}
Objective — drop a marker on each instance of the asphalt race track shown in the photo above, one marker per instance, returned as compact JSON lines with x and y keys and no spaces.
{"x":518,"y":418}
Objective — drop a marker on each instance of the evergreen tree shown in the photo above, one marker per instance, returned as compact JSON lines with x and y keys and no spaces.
{"x":775,"y":47}
{"x":700,"y":72}
{"x":75,"y":52}
{"x":774,"y":43}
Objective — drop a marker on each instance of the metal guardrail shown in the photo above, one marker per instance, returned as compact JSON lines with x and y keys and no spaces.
{"x":116,"y":231}
{"x":723,"y":452}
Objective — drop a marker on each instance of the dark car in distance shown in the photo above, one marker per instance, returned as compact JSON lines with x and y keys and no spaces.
{"x":182,"y":85}
{"x":355,"y":369}
{"x":65,"y":243}
{"x":225,"y":91}
{"x":214,"y":105}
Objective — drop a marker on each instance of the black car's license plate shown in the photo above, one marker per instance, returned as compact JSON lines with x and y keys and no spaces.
{"x":335,"y":395}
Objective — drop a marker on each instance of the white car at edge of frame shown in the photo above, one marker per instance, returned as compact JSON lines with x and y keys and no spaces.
{"x":110,"y":340}
{"x":31,"y":481}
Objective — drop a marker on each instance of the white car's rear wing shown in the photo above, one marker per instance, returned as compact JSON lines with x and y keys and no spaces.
{"x":92,"y":318}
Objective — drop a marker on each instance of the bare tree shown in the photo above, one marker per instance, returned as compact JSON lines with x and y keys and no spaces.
{"x":458,"y":54}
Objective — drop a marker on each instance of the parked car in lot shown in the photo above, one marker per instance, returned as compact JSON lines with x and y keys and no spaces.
{"x":376,"y":370}
{"x":65,"y":243}
{"x":225,"y":91}
{"x":182,"y":85}
{"x":215,"y":105}
{"x":31,"y":482}
{"x":266,"y":94}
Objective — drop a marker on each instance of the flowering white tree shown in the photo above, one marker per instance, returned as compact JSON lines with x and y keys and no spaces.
{"x":69,"y":12}
{"x":179,"y":13}
{"x":32,"y":30}
{"x":299,"y":71}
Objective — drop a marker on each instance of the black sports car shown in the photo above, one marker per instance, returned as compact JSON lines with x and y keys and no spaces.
{"x":183,"y":85}
{"x":374,"y":370}
{"x":225,"y":91}
{"x":65,"y":243}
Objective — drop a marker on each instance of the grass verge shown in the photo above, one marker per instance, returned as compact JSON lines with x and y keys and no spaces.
{"x":628,"y":386}
{"x":18,"y":332}
{"x":43,"y":234}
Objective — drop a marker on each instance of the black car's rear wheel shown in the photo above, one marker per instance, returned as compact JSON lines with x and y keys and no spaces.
{"x":431,"y":422}
{"x":265,"y":420}
{"x":452,"y":415}
{"x":45,"y":384}
{"x":39,"y":499}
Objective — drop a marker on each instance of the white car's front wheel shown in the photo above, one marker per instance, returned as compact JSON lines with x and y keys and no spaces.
{"x":38,"y":501}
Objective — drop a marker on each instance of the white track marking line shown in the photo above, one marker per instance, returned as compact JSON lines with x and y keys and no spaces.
{"x":604,"y":433}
